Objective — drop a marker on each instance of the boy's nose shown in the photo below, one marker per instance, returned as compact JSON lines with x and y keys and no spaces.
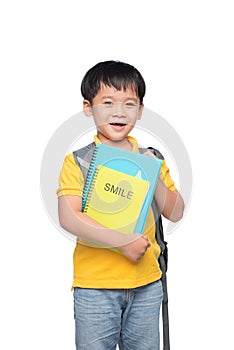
{"x":118,"y":109}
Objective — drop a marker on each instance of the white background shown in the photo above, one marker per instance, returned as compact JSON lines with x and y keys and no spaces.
{"x":184,"y":50}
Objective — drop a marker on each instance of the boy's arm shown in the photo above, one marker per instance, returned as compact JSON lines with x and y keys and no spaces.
{"x":73,"y":220}
{"x":170,"y":202}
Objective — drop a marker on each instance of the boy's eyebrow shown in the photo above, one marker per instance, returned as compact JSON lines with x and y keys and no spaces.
{"x":107,"y":96}
{"x":127,"y":98}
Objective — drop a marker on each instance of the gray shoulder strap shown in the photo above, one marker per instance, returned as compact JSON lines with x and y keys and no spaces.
{"x":83,"y":158}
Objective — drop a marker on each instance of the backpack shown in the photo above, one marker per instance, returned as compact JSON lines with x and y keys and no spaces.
{"x":83,"y":158}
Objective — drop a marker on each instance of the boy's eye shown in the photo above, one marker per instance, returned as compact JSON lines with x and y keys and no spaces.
{"x":108,"y":103}
{"x":130,"y":105}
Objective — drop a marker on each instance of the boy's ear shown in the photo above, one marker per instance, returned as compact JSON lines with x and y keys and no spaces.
{"x":140,"y":111}
{"x":87,"y":108}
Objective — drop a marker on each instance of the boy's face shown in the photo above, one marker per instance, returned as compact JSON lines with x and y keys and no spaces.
{"x":115,"y":112}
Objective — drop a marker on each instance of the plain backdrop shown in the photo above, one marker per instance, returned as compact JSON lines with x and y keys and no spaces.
{"x":184,"y":50}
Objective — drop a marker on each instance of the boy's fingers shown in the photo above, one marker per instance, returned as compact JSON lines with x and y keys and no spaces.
{"x":146,"y":239}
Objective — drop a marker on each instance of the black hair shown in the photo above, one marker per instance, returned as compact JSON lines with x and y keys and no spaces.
{"x":115,"y":74}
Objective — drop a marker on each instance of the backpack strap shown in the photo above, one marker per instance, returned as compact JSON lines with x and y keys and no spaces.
{"x":163,"y":259}
{"x":83,"y":158}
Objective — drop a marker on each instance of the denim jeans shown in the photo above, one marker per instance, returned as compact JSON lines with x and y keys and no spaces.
{"x":127,"y":317}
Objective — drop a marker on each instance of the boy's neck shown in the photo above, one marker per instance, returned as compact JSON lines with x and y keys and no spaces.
{"x":123,"y":144}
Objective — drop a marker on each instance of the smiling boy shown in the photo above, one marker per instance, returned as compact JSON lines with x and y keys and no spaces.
{"x":117,"y":297}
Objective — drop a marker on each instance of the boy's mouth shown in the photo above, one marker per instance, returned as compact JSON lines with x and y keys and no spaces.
{"x":118,"y":124}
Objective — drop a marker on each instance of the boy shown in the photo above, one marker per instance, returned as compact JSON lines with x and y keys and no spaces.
{"x":117,"y":297}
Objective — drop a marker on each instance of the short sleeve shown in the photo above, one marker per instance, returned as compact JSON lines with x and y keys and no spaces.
{"x":166,"y":177}
{"x":71,"y":180}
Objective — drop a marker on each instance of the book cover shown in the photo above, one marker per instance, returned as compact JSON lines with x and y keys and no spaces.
{"x":137,"y":168}
{"x":115,"y":199}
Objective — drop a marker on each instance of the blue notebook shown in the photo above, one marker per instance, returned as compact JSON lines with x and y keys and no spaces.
{"x":129,"y":163}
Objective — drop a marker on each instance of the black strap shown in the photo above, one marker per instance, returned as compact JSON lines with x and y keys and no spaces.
{"x":163,"y":260}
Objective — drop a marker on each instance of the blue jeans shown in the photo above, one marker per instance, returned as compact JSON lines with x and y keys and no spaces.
{"x":127,"y":317}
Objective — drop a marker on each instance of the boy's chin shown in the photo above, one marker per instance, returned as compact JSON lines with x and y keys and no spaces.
{"x":112,"y":138}
{"x":113,"y":135}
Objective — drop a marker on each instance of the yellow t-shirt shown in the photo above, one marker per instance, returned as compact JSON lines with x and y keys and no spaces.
{"x":104,"y":268}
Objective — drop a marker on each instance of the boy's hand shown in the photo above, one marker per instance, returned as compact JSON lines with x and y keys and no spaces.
{"x":136,"y":249}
